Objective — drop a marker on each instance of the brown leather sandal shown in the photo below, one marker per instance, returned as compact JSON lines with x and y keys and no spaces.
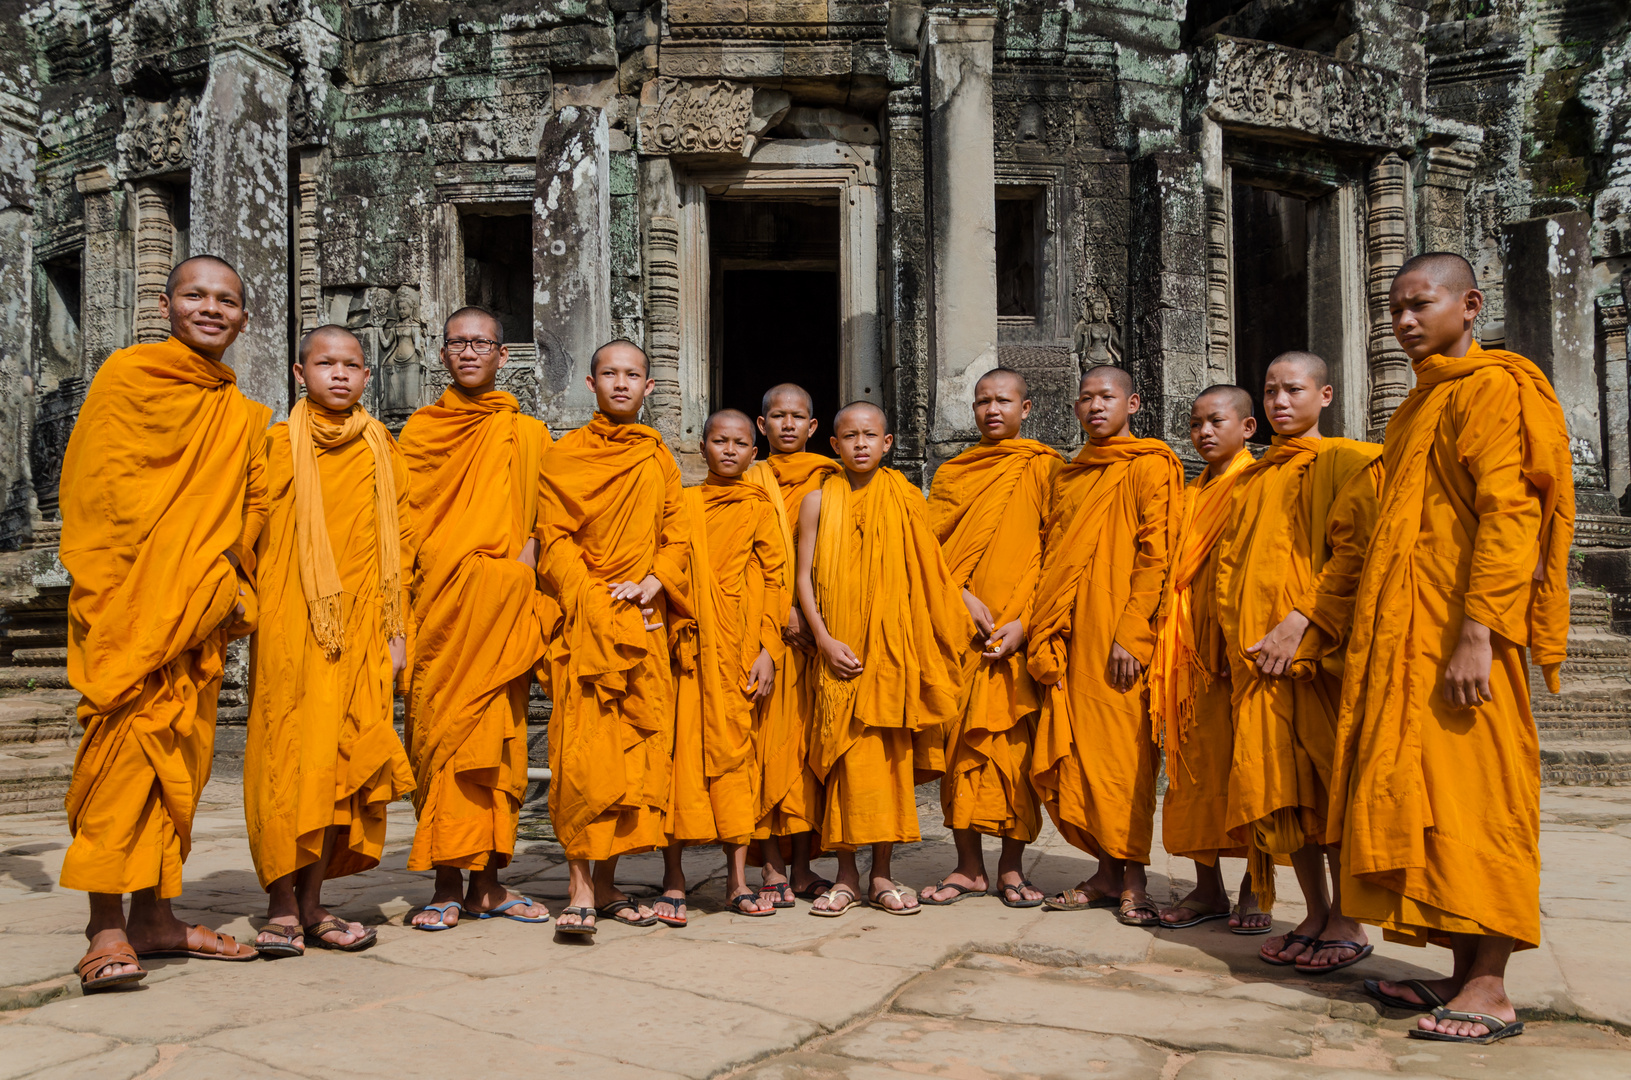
{"x":94,"y":961}
{"x":315,"y":932}
{"x":206,"y":944}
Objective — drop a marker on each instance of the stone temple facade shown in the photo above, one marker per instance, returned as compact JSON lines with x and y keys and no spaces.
{"x":877,"y":198}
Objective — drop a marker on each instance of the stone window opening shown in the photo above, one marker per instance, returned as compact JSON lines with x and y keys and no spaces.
{"x":60,"y":284}
{"x":1020,"y":216}
{"x":498,"y":267}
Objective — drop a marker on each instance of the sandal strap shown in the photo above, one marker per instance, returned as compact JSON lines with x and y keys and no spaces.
{"x":328,"y":926}
{"x":212,"y":942}
{"x":117,"y":953}
{"x":1494,"y":1023}
{"x":282,"y":930}
{"x":833,"y":890}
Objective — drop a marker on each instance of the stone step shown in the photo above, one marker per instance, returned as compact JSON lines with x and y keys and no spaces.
{"x":1589,"y":607}
{"x":13,"y":677}
{"x":39,"y":657}
{"x":34,"y":778}
{"x":1588,"y":763}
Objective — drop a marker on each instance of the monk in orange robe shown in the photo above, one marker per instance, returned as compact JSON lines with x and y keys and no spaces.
{"x":789,"y":792}
{"x":1438,"y":767}
{"x":1189,"y":677}
{"x":323,"y":761}
{"x":613,"y":556}
{"x":728,"y":624}
{"x":163,"y":496}
{"x":891,"y":630}
{"x":1110,"y":531}
{"x":986,"y":507}
{"x":1288,"y":564}
{"x":478,"y":625}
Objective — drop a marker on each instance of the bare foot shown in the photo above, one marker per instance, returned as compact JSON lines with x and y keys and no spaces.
{"x":887,"y":894}
{"x":1482,"y":994}
{"x":1286,"y":951}
{"x":837,"y":898}
{"x":1336,"y":930}
{"x":442,"y":910}
{"x":1197,"y":903}
{"x":476,"y":903}
{"x":1014,"y":884}
{"x":943,"y":892}
{"x":1245,"y":916}
{"x":1444,"y":988}
{"x":105,"y":939}
{"x":269,"y":937}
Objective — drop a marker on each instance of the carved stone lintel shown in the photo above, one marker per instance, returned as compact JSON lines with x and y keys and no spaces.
{"x":663,"y":324}
{"x":155,"y":255}
{"x":155,"y":137}
{"x":678,"y":117}
{"x":1384,"y":253}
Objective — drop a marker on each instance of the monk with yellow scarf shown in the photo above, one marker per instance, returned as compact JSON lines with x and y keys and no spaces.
{"x":1189,"y":677}
{"x":986,"y":507}
{"x":613,"y":554}
{"x":1288,"y":564}
{"x":163,"y":496}
{"x":1438,"y":767}
{"x":478,"y":625}
{"x":323,"y":761}
{"x":891,"y":630}
{"x":1110,"y":532}
{"x":729,"y":627}
{"x":789,"y":793}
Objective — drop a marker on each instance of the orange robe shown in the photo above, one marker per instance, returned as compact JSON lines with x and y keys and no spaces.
{"x":165,"y":473}
{"x":1296,"y":539}
{"x":734,"y":606}
{"x":789,"y":792}
{"x":322,"y":748}
{"x":986,"y":507}
{"x":882,"y":588}
{"x":611,"y":512}
{"x":479,"y":623}
{"x":1441,"y":832}
{"x":1189,"y":679}
{"x":1109,"y":534}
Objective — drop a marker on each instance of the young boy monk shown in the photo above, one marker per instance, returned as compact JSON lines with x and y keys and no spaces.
{"x":891,"y":629}
{"x":163,"y":496}
{"x":986,"y":507}
{"x":1189,"y":677}
{"x":789,"y":793}
{"x":479,"y":620}
{"x":1468,"y":568}
{"x":613,"y":555}
{"x":1288,"y":564}
{"x":1109,"y":533}
{"x":729,"y":635}
{"x":323,"y":761}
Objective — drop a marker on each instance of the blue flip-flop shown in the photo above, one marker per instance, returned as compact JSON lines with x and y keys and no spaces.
{"x":441,"y":913}
{"x":498,"y":912}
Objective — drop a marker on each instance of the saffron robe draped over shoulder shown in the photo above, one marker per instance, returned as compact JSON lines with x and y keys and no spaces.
{"x":1190,"y":706}
{"x":1109,"y":534}
{"x":882,"y":588}
{"x":322,"y":747}
{"x":611,"y":512}
{"x":733,"y":607}
{"x":1441,"y":832}
{"x":986,"y":508}
{"x":479,"y":623}
{"x":1296,"y":539}
{"x":165,"y":474}
{"x":789,"y":792}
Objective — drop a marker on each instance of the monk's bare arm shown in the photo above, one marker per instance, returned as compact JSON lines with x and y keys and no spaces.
{"x":837,"y":654}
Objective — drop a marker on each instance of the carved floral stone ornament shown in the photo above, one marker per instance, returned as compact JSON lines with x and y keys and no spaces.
{"x":155,"y":138}
{"x":1270,"y":86}
{"x":721,"y":117}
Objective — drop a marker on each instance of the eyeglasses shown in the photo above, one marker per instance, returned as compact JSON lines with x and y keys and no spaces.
{"x":481,"y":346}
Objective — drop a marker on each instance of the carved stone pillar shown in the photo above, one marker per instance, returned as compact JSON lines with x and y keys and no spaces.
{"x":1612,"y":361}
{"x":663,"y":323}
{"x":1442,"y":199}
{"x":1220,"y":351}
{"x":155,"y":256}
{"x":19,"y":117}
{"x":1385,"y":246}
{"x":907,"y":381}
{"x":105,"y":323}
{"x":311,"y":294}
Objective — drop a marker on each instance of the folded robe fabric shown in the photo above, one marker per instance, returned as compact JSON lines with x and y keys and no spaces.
{"x":1106,"y":543}
{"x":1297,"y":536}
{"x":322,"y":748}
{"x":611,"y":512}
{"x":1441,"y":829}
{"x":733,"y":607}
{"x":882,"y":588}
{"x":165,"y":474}
{"x":986,"y":507}
{"x":479,"y":622}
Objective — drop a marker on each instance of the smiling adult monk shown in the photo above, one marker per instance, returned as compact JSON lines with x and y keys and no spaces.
{"x":986,"y":507}
{"x":1110,"y":532}
{"x":323,"y":761}
{"x":1438,"y":765}
{"x":479,"y":622}
{"x":163,"y":497}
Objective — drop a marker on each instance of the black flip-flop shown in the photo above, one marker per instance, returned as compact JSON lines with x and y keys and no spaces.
{"x":280,"y":950}
{"x":1291,"y":939}
{"x":1360,"y":952}
{"x":962,"y":893}
{"x":1498,"y":1029}
{"x":815,"y":890}
{"x":736,"y":906}
{"x":1001,"y":893}
{"x":609,"y":913}
{"x":1200,"y":917}
{"x":1429,"y":1000}
{"x":674,"y":903}
{"x":783,"y":892}
{"x":584,"y":928}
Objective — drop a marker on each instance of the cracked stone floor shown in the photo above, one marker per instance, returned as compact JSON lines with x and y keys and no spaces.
{"x":971,"y":991}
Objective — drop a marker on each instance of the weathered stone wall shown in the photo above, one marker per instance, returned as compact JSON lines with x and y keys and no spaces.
{"x":19,"y":121}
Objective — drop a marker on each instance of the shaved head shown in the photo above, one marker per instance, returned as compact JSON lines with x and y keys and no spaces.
{"x":333,"y":331}
{"x":1314,"y":366}
{"x":857,"y":406}
{"x":787,"y":389}
{"x":1010,"y":373}
{"x":176,"y":273}
{"x":620,"y":345}
{"x":1119,"y":377}
{"x":1444,"y":267}
{"x":497,"y":330}
{"x":1236,"y":398}
{"x":728,"y":416}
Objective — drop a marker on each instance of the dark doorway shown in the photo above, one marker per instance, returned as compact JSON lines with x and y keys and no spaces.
{"x":1270,"y":284}
{"x":776,"y":309}
{"x":498,"y":270}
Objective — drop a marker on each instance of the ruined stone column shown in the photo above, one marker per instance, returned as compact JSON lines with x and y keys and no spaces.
{"x":18,"y":149}
{"x":240,"y":205}
{"x":1385,"y":240}
{"x":1612,"y":318}
{"x":906,"y":262}
{"x":1443,"y":198}
{"x":107,"y":271}
{"x":960,"y":136}
{"x":155,"y":256}
{"x":571,"y":233}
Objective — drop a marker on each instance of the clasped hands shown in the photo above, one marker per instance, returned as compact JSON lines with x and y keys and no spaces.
{"x":1001,"y":642}
{"x":640,"y":593}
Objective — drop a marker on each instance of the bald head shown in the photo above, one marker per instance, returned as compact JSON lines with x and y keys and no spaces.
{"x":1118,"y":377}
{"x":858,"y":410}
{"x":332,"y":334}
{"x":1009,"y":375}
{"x":473,"y":319}
{"x":792,"y":393}
{"x":181,"y":269}
{"x":621,"y":348}
{"x":726,"y":417}
{"x":1308,"y":363}
{"x":1234,"y":398}
{"x":1444,"y":268}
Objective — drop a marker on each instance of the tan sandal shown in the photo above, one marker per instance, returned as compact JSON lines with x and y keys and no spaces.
{"x":831,"y":912}
{"x":315,"y":932}
{"x":206,"y":944}
{"x":94,"y":961}
{"x":899,"y":893}
{"x":1079,"y":900}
